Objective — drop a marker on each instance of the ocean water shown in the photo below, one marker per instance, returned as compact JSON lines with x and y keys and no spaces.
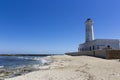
{"x":21,"y":61}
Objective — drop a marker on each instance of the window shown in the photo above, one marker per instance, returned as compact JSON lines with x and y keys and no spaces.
{"x":90,"y":48}
{"x":108,"y":46}
{"x":98,"y":47}
{"x":93,"y":47}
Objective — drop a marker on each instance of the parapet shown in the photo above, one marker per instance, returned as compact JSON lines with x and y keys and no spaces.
{"x":106,"y":54}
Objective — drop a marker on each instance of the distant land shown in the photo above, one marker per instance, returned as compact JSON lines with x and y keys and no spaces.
{"x":29,"y":54}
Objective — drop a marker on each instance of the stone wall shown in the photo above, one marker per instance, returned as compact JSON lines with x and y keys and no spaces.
{"x":100,"y":53}
{"x":88,"y":53}
{"x":113,"y":54}
{"x":108,"y":54}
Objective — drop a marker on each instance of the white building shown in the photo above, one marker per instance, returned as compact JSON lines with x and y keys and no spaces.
{"x":96,"y":44}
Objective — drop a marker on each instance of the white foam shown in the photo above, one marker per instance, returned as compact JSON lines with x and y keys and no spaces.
{"x":42,"y":60}
{"x":1,"y":66}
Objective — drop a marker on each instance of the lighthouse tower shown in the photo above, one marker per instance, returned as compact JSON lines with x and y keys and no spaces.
{"x":97,"y":44}
{"x":89,"y":30}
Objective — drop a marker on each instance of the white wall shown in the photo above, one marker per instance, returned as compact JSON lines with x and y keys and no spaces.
{"x":99,"y":44}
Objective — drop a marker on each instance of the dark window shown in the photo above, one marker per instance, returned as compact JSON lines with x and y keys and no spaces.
{"x":93,"y":47}
{"x":98,"y":47}
{"x":108,"y":46}
{"x":90,"y":48}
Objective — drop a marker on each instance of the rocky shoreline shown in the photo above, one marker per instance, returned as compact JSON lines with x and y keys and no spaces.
{"x":9,"y":73}
{"x":13,"y":72}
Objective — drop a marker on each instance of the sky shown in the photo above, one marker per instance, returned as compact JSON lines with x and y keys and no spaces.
{"x":54,"y":26}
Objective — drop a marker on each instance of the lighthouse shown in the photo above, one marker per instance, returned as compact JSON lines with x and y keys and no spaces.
{"x":98,"y":44}
{"x":89,"y":30}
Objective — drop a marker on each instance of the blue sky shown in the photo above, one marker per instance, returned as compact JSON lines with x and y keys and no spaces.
{"x":54,"y":26}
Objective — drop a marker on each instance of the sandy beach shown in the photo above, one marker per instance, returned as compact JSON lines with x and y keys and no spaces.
{"x":75,"y":68}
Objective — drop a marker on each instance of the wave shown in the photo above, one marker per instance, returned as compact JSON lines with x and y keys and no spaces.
{"x":1,"y":67}
{"x":27,"y":58}
{"x":40,"y":59}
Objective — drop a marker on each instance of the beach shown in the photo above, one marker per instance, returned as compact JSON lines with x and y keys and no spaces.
{"x":66,"y":67}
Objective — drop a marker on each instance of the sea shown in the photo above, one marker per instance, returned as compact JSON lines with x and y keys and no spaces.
{"x":9,"y":62}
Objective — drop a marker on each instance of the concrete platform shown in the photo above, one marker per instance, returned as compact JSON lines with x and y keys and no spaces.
{"x":107,"y":54}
